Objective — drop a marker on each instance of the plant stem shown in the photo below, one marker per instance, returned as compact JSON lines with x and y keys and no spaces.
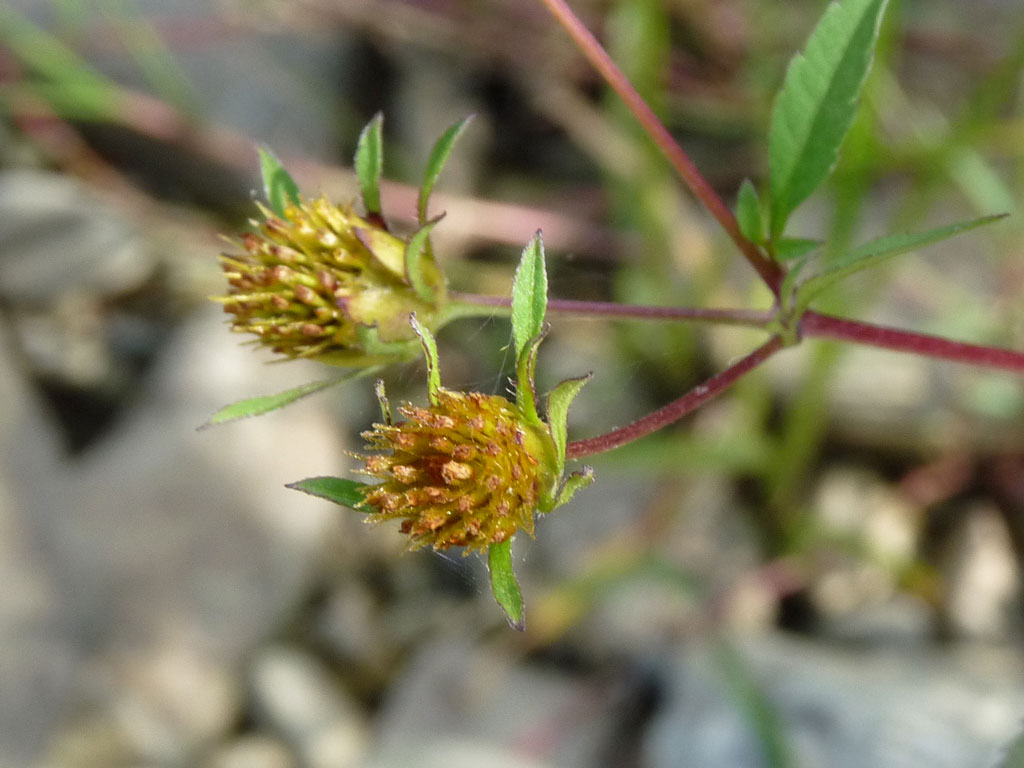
{"x":813,"y":324}
{"x":470,"y":305}
{"x":769,"y":271}
{"x":675,"y":410}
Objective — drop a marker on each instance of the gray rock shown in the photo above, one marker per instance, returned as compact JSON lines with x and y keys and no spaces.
{"x":295,"y":696}
{"x":460,"y":706}
{"x":896,"y":709}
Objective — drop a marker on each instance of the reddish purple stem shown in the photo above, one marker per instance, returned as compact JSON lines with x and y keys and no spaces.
{"x":813,"y":324}
{"x":675,"y":410}
{"x":746,"y":317}
{"x":769,"y":271}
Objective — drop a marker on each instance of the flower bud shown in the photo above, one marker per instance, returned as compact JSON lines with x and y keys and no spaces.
{"x":321,"y":282}
{"x":467,"y":471}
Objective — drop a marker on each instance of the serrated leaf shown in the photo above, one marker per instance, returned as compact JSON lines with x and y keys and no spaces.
{"x":574,"y":483}
{"x":748,"y":212}
{"x":414,"y":251}
{"x":438,"y":157}
{"x":504,"y":586}
{"x":559,"y":400}
{"x":875,"y":252}
{"x":369,"y":163}
{"x":347,"y":493}
{"x":256,"y":406}
{"x":817,"y":103}
{"x":278,"y":185}
{"x":529,"y":294}
{"x":430,"y":353}
{"x":793,"y":248}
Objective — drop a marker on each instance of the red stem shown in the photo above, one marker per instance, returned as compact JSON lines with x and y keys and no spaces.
{"x":769,"y":271}
{"x":675,"y":410}
{"x":813,"y":324}
{"x":746,"y":317}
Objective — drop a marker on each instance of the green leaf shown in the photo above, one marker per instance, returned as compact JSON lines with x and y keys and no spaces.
{"x":414,"y":250}
{"x":438,"y":157}
{"x":573,"y":483}
{"x":278,"y":185}
{"x":379,"y":351}
{"x":875,"y":252}
{"x":526,"y":390}
{"x":748,"y":212}
{"x":370,"y":163}
{"x":818,"y":102}
{"x":792,"y":248}
{"x":753,"y":703}
{"x":430,"y":353}
{"x":559,"y":400}
{"x":382,"y":401}
{"x":256,"y":406}
{"x":44,"y":53}
{"x":529,"y":294}
{"x":347,"y":493}
{"x":504,"y":586}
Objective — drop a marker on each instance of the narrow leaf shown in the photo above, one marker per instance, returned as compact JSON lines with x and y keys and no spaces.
{"x":559,"y":400}
{"x":748,"y":212}
{"x":347,"y":493}
{"x":414,"y":251}
{"x":529,"y":294}
{"x":279,"y":187}
{"x":573,"y":483}
{"x":382,"y":400}
{"x":526,"y":390}
{"x":818,"y":102}
{"x":255,"y":406}
{"x":430,"y":353}
{"x":438,"y":157}
{"x":504,"y":585}
{"x":792,"y":248}
{"x":875,"y":252}
{"x":369,"y":163}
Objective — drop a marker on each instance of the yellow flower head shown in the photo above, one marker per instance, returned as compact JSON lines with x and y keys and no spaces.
{"x":467,"y":471}
{"x":322,"y":282}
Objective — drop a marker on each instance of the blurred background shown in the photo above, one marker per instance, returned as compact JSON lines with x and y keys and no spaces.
{"x":820,"y":568}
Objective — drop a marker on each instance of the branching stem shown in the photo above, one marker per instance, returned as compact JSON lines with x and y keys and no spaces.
{"x":675,"y":410}
{"x":769,"y":271}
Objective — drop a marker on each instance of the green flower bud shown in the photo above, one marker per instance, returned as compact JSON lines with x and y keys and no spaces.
{"x":467,"y":471}
{"x":323,"y":283}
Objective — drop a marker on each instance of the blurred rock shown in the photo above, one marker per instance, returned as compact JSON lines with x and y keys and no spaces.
{"x":907,"y":709}
{"x":254,"y":751}
{"x":864,"y":536}
{"x":982,"y":576}
{"x":172,"y":703}
{"x":295,"y":696}
{"x":462,"y":706}
{"x":56,"y":238}
{"x":140,"y":573}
